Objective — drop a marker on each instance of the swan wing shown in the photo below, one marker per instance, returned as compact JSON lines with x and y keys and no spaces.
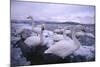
{"x":61,"y":49}
{"x":32,"y":41}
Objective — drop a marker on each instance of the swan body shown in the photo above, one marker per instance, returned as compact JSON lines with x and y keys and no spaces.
{"x":48,"y":33}
{"x":80,"y":33}
{"x":48,"y":38}
{"x":35,"y":40}
{"x":32,"y":41}
{"x":37,"y":29}
{"x":67,"y":32}
{"x":48,"y":41}
{"x":59,"y":30}
{"x":64,"y":47}
{"x":58,"y":37}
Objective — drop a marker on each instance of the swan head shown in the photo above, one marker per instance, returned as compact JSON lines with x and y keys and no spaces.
{"x":81,"y":28}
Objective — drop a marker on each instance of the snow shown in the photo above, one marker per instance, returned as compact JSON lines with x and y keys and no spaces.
{"x":86,"y":51}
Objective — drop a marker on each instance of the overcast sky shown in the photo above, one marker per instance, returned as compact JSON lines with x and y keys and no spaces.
{"x":53,"y":12}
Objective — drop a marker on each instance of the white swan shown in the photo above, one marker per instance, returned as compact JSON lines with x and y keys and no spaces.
{"x":58,"y":34}
{"x":35,"y":40}
{"x":79,"y":33}
{"x":59,"y":30}
{"x":43,"y":38}
{"x":65,"y":47}
{"x":35,"y":29}
{"x":46,"y":40}
{"x":67,"y":32}
{"x":57,"y":37}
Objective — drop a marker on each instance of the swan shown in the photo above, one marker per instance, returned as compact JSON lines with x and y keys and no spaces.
{"x":59,"y":30}
{"x":35,"y":40}
{"x":45,"y":38}
{"x":57,"y":37}
{"x":35,"y":29}
{"x":33,"y":47}
{"x":79,"y":33}
{"x":66,"y":46}
{"x":67,"y":32}
{"x":58,"y":34}
{"x":48,"y":38}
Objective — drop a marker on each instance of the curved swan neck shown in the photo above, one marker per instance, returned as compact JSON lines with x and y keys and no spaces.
{"x":75,"y":39}
{"x":41,"y":37}
{"x":33,"y":24}
{"x":64,"y":34}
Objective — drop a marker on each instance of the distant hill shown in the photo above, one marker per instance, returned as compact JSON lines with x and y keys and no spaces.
{"x":74,"y":23}
{"x":49,"y":22}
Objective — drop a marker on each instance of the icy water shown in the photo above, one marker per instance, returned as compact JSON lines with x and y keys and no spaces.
{"x":23,"y":55}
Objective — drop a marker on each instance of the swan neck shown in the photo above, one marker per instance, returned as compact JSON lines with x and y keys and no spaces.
{"x":75,"y":39}
{"x":41,"y":37}
{"x":64,"y":35}
{"x":33,"y":24}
